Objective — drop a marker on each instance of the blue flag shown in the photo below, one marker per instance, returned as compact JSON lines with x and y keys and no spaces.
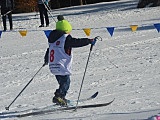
{"x":0,"y":33}
{"x":157,"y":26}
{"x":47,"y":32}
{"x":110,"y":30}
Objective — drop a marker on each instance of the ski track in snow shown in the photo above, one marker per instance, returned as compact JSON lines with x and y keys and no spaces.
{"x":125,"y":66}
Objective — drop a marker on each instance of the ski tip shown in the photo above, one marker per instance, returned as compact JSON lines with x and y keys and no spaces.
{"x":95,"y":95}
{"x":113,"y":99}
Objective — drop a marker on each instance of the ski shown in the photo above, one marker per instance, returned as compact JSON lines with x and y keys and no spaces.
{"x":63,"y":109}
{"x":70,"y":102}
{"x":86,"y":99}
{"x":54,"y":106}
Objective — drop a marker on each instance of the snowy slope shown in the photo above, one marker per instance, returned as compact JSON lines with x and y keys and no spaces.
{"x":124,"y":66}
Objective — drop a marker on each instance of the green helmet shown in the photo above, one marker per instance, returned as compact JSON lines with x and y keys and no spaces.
{"x":64,"y":25}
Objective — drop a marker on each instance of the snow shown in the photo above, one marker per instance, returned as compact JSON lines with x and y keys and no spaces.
{"x":124,"y":66}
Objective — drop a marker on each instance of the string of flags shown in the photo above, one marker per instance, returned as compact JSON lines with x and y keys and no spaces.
{"x":87,"y":31}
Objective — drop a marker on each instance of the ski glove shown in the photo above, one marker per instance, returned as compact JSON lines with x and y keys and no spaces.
{"x":46,"y":2}
{"x":93,"y":41}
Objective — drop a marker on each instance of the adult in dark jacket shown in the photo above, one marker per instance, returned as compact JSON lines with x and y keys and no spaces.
{"x":42,"y":4}
{"x":6,"y":10}
{"x":59,"y":56}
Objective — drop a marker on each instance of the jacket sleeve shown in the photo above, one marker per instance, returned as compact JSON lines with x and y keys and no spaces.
{"x":46,"y":56}
{"x":76,"y":42}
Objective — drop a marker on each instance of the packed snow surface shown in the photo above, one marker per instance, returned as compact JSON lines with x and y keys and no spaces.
{"x":124,"y":66}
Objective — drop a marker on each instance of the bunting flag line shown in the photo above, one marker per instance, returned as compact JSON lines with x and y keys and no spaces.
{"x":157,"y":26}
{"x":134,"y":27}
{"x":23,"y":32}
{"x":47,"y":32}
{"x":87,"y":31}
{"x":0,"y":33}
{"x":110,"y":30}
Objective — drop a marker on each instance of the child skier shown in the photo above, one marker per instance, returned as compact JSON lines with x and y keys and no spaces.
{"x":59,"y":56}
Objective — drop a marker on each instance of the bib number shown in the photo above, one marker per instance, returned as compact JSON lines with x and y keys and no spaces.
{"x":52,"y":56}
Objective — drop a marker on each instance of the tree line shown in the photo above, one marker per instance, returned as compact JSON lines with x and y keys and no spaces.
{"x":67,"y":3}
{"x":22,"y":6}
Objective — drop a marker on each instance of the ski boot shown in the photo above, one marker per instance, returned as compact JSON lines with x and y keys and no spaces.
{"x":60,"y":101}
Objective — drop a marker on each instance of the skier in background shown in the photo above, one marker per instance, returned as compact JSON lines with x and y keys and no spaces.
{"x":6,"y":10}
{"x":42,"y":4}
{"x":59,"y":56}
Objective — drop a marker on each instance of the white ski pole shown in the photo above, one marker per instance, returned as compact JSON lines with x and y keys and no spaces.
{"x":96,"y":38}
{"x":47,"y":7}
{"x":7,"y":108}
{"x":7,"y":13}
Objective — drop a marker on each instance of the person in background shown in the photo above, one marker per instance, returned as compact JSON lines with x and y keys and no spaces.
{"x":59,"y":56}
{"x":42,"y":4}
{"x":6,"y":10}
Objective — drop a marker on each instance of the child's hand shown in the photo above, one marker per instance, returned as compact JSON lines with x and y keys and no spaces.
{"x":93,"y":41}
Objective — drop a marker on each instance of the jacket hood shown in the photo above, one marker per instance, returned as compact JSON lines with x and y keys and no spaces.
{"x":55,"y":35}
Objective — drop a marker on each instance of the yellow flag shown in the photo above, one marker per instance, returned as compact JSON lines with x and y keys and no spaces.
{"x":134,"y":27}
{"x":87,"y":31}
{"x":23,"y":32}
